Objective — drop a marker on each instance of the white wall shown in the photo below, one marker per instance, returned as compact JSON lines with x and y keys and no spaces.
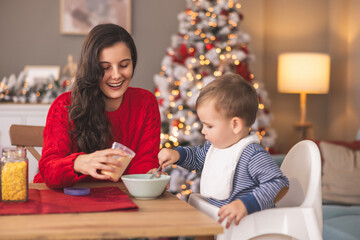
{"x":339,"y":48}
{"x":353,"y":77}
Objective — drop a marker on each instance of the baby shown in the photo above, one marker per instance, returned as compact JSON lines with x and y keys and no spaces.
{"x":237,"y":174}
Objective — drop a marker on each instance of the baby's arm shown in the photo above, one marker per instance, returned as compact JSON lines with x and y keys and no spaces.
{"x":168,"y":156}
{"x":234,"y":211}
{"x":191,"y":158}
{"x":271,"y":181}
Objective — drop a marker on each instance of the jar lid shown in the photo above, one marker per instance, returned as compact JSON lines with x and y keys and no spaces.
{"x":14,"y":152}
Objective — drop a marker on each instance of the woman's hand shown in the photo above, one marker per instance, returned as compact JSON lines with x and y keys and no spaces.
{"x":168,"y":156}
{"x":92,"y":164}
{"x":234,"y":211}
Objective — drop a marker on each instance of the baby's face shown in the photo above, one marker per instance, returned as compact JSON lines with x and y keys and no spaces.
{"x":216,"y":127}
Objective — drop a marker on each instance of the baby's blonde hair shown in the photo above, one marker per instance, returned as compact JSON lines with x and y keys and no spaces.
{"x":233,"y":96}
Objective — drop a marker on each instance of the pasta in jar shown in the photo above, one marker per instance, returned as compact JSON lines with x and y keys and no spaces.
{"x":14,"y":175}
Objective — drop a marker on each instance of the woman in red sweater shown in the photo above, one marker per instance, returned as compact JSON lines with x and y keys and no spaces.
{"x":82,"y":124}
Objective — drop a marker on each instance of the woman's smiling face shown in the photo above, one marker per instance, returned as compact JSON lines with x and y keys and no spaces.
{"x":118,"y":69}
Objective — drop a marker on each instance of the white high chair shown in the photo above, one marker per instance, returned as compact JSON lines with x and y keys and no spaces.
{"x":298,"y":215}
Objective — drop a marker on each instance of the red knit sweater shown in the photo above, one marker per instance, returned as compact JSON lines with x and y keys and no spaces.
{"x":135,"y":124}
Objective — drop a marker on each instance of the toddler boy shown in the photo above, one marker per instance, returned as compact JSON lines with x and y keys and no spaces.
{"x":237,"y":173}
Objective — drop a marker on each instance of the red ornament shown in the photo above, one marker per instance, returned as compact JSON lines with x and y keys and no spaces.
{"x":175,"y":122}
{"x":183,"y":50}
{"x":224,"y":12}
{"x":182,"y":54}
{"x":243,"y":71}
{"x":161,"y":101}
{"x":209,"y":46}
{"x":177,"y":97}
{"x":241,"y":17}
{"x":244,"y":48}
{"x":64,"y":83}
{"x":273,"y":151}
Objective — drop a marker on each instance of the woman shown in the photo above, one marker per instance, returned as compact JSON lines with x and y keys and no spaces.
{"x":81,"y":125}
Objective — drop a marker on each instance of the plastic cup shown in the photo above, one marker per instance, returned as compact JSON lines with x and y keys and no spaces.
{"x":124,"y":161}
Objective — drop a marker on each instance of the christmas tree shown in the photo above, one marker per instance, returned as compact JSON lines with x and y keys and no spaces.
{"x":209,"y":43}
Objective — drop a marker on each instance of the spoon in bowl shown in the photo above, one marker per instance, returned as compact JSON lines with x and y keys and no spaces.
{"x":157,"y":170}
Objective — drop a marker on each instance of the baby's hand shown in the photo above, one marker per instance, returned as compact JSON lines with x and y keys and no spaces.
{"x":168,"y":156}
{"x":151,"y":171}
{"x":235,"y":210}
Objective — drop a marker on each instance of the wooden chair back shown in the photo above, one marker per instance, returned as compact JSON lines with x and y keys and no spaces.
{"x":27,"y":136}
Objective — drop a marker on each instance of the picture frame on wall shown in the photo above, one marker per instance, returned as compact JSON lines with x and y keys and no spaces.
{"x":40,"y":74}
{"x":78,"y":17}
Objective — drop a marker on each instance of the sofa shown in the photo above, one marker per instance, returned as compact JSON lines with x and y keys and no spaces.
{"x":340,"y":188}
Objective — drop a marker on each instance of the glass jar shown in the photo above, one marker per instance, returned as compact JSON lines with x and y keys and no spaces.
{"x":14,"y":175}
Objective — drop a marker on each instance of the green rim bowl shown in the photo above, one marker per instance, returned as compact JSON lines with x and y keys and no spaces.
{"x":141,"y":186}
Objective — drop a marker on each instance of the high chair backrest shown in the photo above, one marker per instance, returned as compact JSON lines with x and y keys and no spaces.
{"x":302,"y":166}
{"x":27,"y":136}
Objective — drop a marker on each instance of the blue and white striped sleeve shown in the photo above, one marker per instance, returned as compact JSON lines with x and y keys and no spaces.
{"x":269,"y":178}
{"x":193,"y":158}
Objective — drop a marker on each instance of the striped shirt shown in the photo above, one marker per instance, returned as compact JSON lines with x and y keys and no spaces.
{"x":257,"y":179}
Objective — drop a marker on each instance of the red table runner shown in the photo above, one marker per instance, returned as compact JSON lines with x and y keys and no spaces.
{"x":56,"y":201}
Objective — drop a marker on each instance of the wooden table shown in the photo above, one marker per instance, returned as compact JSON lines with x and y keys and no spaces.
{"x":166,"y":216}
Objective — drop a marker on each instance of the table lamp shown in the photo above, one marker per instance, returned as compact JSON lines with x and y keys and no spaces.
{"x":304,"y":73}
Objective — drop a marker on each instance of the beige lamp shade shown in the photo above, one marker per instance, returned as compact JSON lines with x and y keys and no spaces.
{"x":303,"y":73}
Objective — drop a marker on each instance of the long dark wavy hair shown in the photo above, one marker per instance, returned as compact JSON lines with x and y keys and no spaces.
{"x":91,"y":130}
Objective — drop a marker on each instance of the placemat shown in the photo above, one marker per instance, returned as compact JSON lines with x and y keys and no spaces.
{"x":56,"y":201}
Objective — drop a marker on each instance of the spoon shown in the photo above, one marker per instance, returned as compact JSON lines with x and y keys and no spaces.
{"x":157,"y":170}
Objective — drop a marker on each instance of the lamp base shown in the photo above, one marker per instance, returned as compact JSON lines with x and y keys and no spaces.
{"x":302,"y":124}
{"x":303,"y":128}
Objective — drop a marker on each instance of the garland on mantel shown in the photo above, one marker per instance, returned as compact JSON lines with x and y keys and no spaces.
{"x":45,"y":90}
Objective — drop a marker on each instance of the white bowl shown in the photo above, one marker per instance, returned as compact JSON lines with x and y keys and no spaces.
{"x":141,"y":186}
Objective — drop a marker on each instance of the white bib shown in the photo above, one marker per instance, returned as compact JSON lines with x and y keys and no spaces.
{"x":219,"y":169}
